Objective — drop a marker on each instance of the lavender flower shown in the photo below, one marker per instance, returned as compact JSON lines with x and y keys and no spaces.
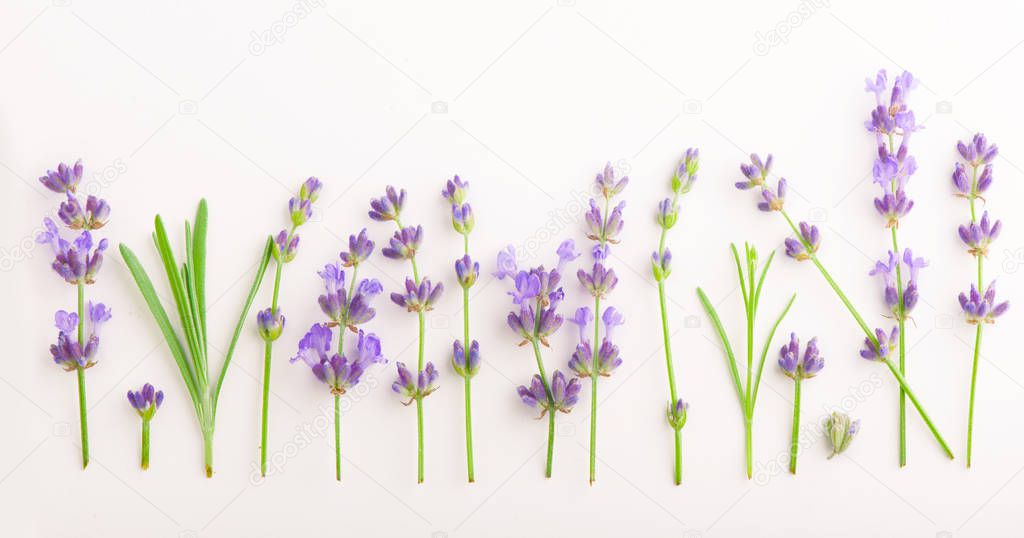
{"x":404,"y":243}
{"x":76,"y":262}
{"x":668,"y":214}
{"x":840,"y":430}
{"x":310,"y":190}
{"x":676,"y":414}
{"x":455,"y":191}
{"x":507,"y":266}
{"x":146,"y":401}
{"x":686,"y":173}
{"x":286,"y":246}
{"x":360,"y":247}
{"x":340,"y":372}
{"x":600,"y":281}
{"x":606,"y":183}
{"x":756,"y":172}
{"x":796,"y":366}
{"x":93,"y":217}
{"x":883,"y":346}
{"x":270,"y":323}
{"x":978,"y":151}
{"x":416,"y":388}
{"x":893,"y":289}
{"x":564,"y":394}
{"x":466,"y":271}
{"x":466,"y":365}
{"x":661,"y":264}
{"x":388,"y":207}
{"x":773,"y":201}
{"x":806,"y":246}
{"x":601,"y":229}
{"x":982,"y":308}
{"x":979,"y":235}
{"x":462,"y":218}
{"x":70,"y":353}
{"x":65,"y":179}
{"x":419,"y":298}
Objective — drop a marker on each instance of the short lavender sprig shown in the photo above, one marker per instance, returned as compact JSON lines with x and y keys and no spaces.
{"x":465,"y":354}
{"x":536,"y":295}
{"x":604,"y":224}
{"x":804,"y":246}
{"x":145,"y":402}
{"x":980,"y":307}
{"x":798,"y":368}
{"x":419,"y":296}
{"x":347,"y":309}
{"x":270,"y":321}
{"x":661,"y":266}
{"x":891,"y":119}
{"x":77,"y":262}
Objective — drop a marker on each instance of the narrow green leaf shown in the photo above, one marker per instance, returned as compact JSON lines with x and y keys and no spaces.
{"x":199,"y":265}
{"x":739,"y":270}
{"x":767,"y":346}
{"x":177,"y":288}
{"x":257,"y":281}
{"x":717,"y":323}
{"x":163,"y":322}
{"x":760,"y":281}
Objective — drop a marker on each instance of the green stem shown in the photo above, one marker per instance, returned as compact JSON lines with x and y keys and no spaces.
{"x":901,"y":316}
{"x":419,"y":407}
{"x":748,"y":438}
{"x":337,"y":437}
{"x":145,"y":444}
{"x":208,"y":451}
{"x":795,"y":444}
{"x":268,"y":349}
{"x":970,"y":407}
{"x":913,"y":399}
{"x":593,"y":389}
{"x":678,"y":467}
{"x":467,"y":392}
{"x":551,"y":404}
{"x":82,"y":418}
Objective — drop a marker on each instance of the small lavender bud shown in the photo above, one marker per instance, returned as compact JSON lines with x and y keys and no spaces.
{"x":840,"y":430}
{"x":270,"y":323}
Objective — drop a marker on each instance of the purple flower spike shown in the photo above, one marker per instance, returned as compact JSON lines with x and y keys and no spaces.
{"x":522,"y":324}
{"x":982,"y":308}
{"x":315,"y":346}
{"x":885,"y":347}
{"x":599,"y":229}
{"x":300,"y":211}
{"x":961,"y":182}
{"x":285,"y":246}
{"x":978,"y":151}
{"x":146,"y":401}
{"x":607,"y":185}
{"x":67,"y":352}
{"x":795,"y":366}
{"x":462,"y":218}
{"x":65,"y":179}
{"x":756,"y":172}
{"x":419,"y":298}
{"x":269,"y":324}
{"x":600,"y":281}
{"x":686,"y":174}
{"x":404,"y":243}
{"x":93,"y":217}
{"x":773,"y":201}
{"x":76,"y":262}
{"x":979,"y":235}
{"x":668,"y":214}
{"x":466,"y":271}
{"x":388,"y":207}
{"x":455,"y":190}
{"x":359,"y":310}
{"x":466,"y":366}
{"x":359,"y":249}
{"x":534,"y":396}
{"x":507,"y":266}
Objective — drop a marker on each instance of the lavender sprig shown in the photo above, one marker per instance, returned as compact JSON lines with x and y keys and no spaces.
{"x":604,"y":224}
{"x":145,"y":402}
{"x":536,"y":295}
{"x":419,"y":297}
{"x":465,"y":354}
{"x":661,"y":266}
{"x":840,"y":430}
{"x":809,"y":239}
{"x":892,"y":119}
{"x":77,"y":263}
{"x":751,"y":286}
{"x":799,"y":367}
{"x":270,"y":321}
{"x":979,"y":308}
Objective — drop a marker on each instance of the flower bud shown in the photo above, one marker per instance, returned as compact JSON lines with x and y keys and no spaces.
{"x":840,"y":430}
{"x":270,"y":323}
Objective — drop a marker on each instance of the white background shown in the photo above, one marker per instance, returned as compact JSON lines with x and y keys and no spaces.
{"x":169,"y":102}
